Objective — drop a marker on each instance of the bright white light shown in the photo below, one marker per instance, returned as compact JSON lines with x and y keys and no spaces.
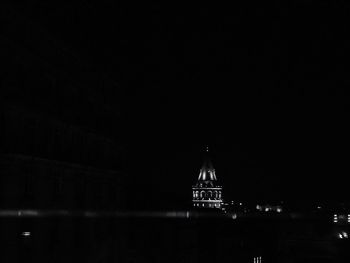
{"x":279,"y":210}
{"x":26,"y":234}
{"x":340,"y":235}
{"x":345,"y":235}
{"x":234,"y":216}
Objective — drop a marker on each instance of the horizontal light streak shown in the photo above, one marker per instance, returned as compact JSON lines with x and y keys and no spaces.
{"x":206,"y":188}
{"x":207,"y":201}
{"x":117,"y":214}
{"x":33,"y":213}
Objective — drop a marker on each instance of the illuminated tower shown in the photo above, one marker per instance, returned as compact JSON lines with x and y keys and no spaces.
{"x":206,"y":192}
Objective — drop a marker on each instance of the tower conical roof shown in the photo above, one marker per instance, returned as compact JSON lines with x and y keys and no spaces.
{"x":207,"y":171}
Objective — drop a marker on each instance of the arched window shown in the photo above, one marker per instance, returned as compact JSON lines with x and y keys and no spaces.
{"x":209,"y":195}
{"x":202,"y":194}
{"x":215,"y":194}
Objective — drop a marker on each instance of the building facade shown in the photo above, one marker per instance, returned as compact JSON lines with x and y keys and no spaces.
{"x":207,"y":193}
{"x":60,"y":124}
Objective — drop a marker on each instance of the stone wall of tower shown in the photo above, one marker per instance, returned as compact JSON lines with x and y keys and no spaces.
{"x":203,"y":197}
{"x":206,"y":193}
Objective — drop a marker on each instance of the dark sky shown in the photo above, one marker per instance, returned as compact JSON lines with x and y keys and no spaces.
{"x":264,"y":84}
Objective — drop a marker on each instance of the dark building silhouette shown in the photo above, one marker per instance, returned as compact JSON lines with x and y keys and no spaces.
{"x":61,"y":152}
{"x":60,"y":130}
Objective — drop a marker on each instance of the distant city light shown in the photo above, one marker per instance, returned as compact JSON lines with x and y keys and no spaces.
{"x":26,"y":234}
{"x":342,"y":235}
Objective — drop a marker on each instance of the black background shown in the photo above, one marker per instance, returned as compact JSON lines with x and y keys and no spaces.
{"x":264,"y":84}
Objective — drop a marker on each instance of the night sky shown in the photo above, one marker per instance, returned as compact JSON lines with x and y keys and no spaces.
{"x":264,"y":84}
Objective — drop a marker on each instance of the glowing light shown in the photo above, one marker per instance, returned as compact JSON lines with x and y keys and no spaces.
{"x":26,"y":234}
{"x":279,"y":210}
{"x":234,"y":216}
{"x":335,"y":219}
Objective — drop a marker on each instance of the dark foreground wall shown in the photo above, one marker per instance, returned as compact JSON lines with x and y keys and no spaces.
{"x":111,"y":239}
